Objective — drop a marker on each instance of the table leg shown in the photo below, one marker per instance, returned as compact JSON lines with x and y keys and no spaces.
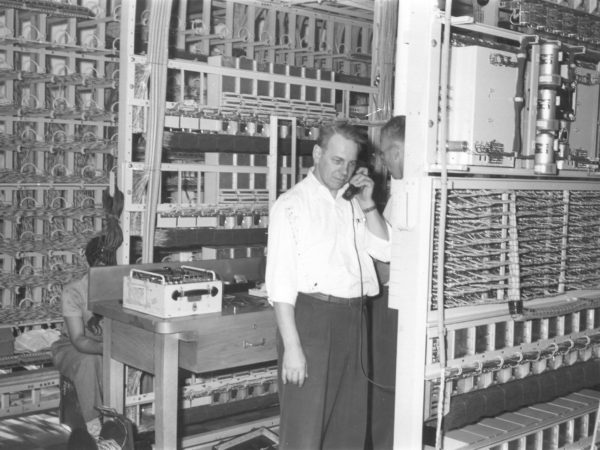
{"x":113,"y":372}
{"x":166,"y":347}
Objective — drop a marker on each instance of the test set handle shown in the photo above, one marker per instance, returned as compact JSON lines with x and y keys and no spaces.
{"x":212,"y":291}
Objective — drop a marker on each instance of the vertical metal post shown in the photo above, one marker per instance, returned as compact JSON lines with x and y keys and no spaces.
{"x":416,"y":96}
{"x":126,"y":89}
{"x":272,"y":160}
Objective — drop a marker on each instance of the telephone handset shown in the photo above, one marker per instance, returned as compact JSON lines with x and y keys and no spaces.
{"x":352,"y":190}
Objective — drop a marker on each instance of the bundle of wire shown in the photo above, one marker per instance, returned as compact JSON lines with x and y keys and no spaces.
{"x":103,"y":249}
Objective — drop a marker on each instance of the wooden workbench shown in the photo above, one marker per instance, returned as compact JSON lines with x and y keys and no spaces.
{"x":160,"y":346}
{"x":242,"y":334}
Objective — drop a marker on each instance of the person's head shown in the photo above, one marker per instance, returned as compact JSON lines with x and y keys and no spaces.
{"x":94,"y":252}
{"x":335,"y":154}
{"x":100,"y":252}
{"x":392,"y":145}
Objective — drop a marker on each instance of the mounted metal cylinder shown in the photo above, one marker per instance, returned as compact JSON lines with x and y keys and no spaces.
{"x":544,"y":154}
{"x":546,"y":110}
{"x":549,"y":69}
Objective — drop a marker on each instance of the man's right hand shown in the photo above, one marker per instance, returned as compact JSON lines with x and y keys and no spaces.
{"x":294,"y":366}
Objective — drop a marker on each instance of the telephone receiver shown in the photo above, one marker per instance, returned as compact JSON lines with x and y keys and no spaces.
{"x":352,"y":190}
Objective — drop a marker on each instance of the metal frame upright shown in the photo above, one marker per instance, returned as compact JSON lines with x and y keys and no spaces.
{"x":418,"y":279}
{"x":416,"y":81}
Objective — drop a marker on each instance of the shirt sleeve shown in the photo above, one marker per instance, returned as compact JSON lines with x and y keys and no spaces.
{"x":281,"y":277}
{"x":379,"y":249}
{"x":72,"y":301}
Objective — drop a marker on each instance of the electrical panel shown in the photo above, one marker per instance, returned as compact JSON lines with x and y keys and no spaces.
{"x":481,"y":114}
{"x":523,"y":94}
{"x":498,"y":268}
{"x":584,"y":129}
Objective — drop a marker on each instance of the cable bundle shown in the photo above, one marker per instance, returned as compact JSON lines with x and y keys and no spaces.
{"x":8,"y":176}
{"x":540,"y":218}
{"x":516,"y":245}
{"x":160,"y":13}
{"x":103,"y":250}
{"x":42,"y":277}
{"x":114,"y":235}
{"x":476,"y":248}
{"x":583,"y":251}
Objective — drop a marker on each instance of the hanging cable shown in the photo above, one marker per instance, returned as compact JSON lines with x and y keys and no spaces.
{"x":158,"y":52}
{"x":441,"y":152}
{"x":113,"y":236}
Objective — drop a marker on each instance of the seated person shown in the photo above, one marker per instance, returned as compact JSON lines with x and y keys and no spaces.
{"x":78,"y":352}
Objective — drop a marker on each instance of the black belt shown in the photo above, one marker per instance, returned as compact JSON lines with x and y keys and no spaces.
{"x":334,"y":299}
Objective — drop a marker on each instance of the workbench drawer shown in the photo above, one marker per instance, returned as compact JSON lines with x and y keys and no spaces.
{"x":240,"y":340}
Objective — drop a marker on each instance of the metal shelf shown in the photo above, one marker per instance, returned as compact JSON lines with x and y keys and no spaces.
{"x":224,"y":143}
{"x":184,"y":238}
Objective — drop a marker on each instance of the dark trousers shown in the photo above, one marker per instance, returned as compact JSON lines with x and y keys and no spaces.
{"x":383,"y":330}
{"x":330,"y":410}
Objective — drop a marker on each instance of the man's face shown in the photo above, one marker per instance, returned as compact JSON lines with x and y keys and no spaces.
{"x":335,"y":165}
{"x":392,"y":153}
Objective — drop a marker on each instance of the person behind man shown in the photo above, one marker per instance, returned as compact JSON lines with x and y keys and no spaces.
{"x":77,"y":354}
{"x":319,"y":270}
{"x":383,"y":320}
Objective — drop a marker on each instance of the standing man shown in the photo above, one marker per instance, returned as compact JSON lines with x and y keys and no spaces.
{"x":319,"y":270}
{"x":383,"y":320}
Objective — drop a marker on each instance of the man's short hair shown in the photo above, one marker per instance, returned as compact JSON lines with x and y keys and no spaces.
{"x":394,"y":129}
{"x":344,"y":129}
